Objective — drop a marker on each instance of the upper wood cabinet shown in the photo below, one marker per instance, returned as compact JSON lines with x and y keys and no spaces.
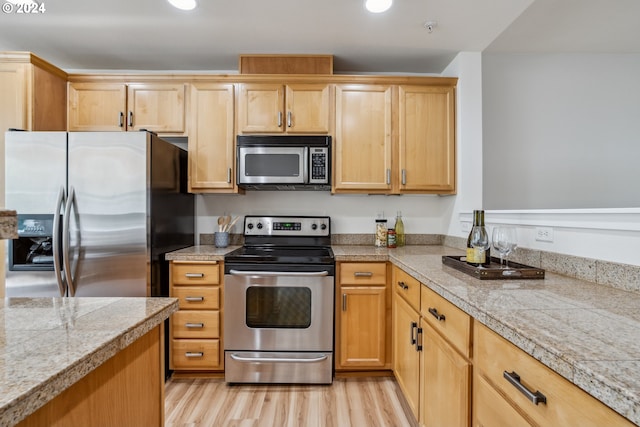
{"x":277,"y":108}
{"x":211,"y":138}
{"x":363,"y":143}
{"x":395,"y":139}
{"x":158,"y":107}
{"x":426,"y":136}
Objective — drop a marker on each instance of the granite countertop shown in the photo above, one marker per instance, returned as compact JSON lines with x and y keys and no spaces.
{"x":588,"y":333}
{"x":8,"y":224}
{"x":200,"y":253}
{"x":48,"y":344}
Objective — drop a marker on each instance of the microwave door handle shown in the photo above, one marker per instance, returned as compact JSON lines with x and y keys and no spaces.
{"x":307,"y":166}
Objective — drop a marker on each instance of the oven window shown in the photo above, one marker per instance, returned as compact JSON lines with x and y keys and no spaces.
{"x":278,"y":307}
{"x":272,"y":164}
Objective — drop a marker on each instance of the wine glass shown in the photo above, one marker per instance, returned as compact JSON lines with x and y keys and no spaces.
{"x":504,"y":241}
{"x":480,"y":243}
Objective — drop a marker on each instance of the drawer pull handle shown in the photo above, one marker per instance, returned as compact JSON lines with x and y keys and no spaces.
{"x":403,"y":285}
{"x":194,"y":325}
{"x":194,"y":275}
{"x":194,"y":299}
{"x":534,"y":397}
{"x":434,"y":313}
{"x":194,"y":354}
{"x":363,"y":274}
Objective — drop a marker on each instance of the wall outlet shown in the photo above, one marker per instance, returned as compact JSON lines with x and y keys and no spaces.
{"x":466,"y":226}
{"x":544,"y":234}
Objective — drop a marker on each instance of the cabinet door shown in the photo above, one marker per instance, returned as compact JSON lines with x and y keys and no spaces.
{"x":211,"y":137}
{"x":362,"y":327}
{"x":446,"y":381}
{"x":406,"y":358}
{"x":158,"y":107}
{"x":97,"y":107}
{"x":307,"y":109}
{"x":363,"y":138}
{"x":427,"y":139}
{"x":261,"y":108}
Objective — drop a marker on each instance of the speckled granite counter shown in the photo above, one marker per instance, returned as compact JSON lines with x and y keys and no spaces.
{"x":8,"y":224}
{"x":48,"y":344}
{"x":588,"y":333}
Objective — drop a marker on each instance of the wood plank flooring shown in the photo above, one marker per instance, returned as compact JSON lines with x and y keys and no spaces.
{"x":352,"y":402}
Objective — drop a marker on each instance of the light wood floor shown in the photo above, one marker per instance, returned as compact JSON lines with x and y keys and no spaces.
{"x":353,"y":402}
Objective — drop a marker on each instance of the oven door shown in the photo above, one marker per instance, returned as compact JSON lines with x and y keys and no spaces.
{"x":272,"y":165}
{"x":278,"y":327}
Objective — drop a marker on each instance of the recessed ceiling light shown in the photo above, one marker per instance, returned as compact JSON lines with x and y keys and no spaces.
{"x":378,"y":6}
{"x":184,"y":4}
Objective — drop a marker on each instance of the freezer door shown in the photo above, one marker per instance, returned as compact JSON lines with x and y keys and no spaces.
{"x":107,"y":223}
{"x":35,"y":186}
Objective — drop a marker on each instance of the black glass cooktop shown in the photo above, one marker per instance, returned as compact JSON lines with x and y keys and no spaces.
{"x":279,"y":254}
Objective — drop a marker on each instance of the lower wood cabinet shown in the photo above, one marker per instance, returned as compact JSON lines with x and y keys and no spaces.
{"x":431,"y":344}
{"x":528,"y":392}
{"x":362,"y":309}
{"x":196,"y":329}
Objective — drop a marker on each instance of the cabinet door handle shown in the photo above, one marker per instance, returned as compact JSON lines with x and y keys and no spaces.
{"x":121,"y":119}
{"x":279,"y":119}
{"x":194,"y":354}
{"x":344,"y":302}
{"x":194,"y":275}
{"x":535,"y":397}
{"x":414,"y":338}
{"x":194,"y":325}
{"x":403,"y":285}
{"x":404,"y":177}
{"x":289,"y":121}
{"x":388,"y":176}
{"x":434,"y":313}
{"x":419,"y":340}
{"x":130,"y":118}
{"x":194,"y":299}
{"x":363,"y":274}
{"x":229,"y":176}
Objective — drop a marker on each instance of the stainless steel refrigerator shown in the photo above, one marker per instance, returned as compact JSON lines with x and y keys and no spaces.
{"x":97,"y":211}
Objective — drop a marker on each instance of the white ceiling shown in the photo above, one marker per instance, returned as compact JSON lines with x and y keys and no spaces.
{"x":151,"y":35}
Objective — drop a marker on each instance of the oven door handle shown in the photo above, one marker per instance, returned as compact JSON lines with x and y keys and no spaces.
{"x":279,"y":273}
{"x":279,"y":359}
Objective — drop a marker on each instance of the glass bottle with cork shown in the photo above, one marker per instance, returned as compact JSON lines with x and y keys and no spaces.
{"x":478,"y":246}
{"x":399,"y":228}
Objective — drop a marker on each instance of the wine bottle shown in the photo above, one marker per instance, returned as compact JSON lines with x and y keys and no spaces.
{"x":478,"y":247}
{"x":399,"y":227}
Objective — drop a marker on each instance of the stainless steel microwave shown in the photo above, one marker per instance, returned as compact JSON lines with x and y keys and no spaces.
{"x":284,"y":162}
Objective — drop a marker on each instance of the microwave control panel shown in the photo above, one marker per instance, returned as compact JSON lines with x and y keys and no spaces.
{"x":319,"y":169}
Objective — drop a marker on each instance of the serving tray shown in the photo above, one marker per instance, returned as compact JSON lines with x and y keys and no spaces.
{"x":515,"y":271}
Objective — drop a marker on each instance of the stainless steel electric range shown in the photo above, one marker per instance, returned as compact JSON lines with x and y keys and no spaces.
{"x":279,"y":302}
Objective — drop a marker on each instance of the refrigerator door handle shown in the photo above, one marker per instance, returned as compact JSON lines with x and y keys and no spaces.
{"x":66,"y":244}
{"x":60,"y":207}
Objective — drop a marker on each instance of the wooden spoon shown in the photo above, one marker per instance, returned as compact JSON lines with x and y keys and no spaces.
{"x":220,"y":223}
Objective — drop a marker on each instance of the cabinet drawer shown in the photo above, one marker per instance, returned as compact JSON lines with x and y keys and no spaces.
{"x":452,"y":323}
{"x":408,"y":287}
{"x":195,"y":324}
{"x":195,"y":273}
{"x":363,"y":273}
{"x":490,"y":409}
{"x":566,"y":403}
{"x":195,"y":354}
{"x":197,"y":297}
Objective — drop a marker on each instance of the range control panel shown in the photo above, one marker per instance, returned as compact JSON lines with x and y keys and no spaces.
{"x":287,"y":225}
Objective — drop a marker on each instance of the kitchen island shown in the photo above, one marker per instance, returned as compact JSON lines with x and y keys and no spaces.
{"x":82,"y":361}
{"x":586,"y":332}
